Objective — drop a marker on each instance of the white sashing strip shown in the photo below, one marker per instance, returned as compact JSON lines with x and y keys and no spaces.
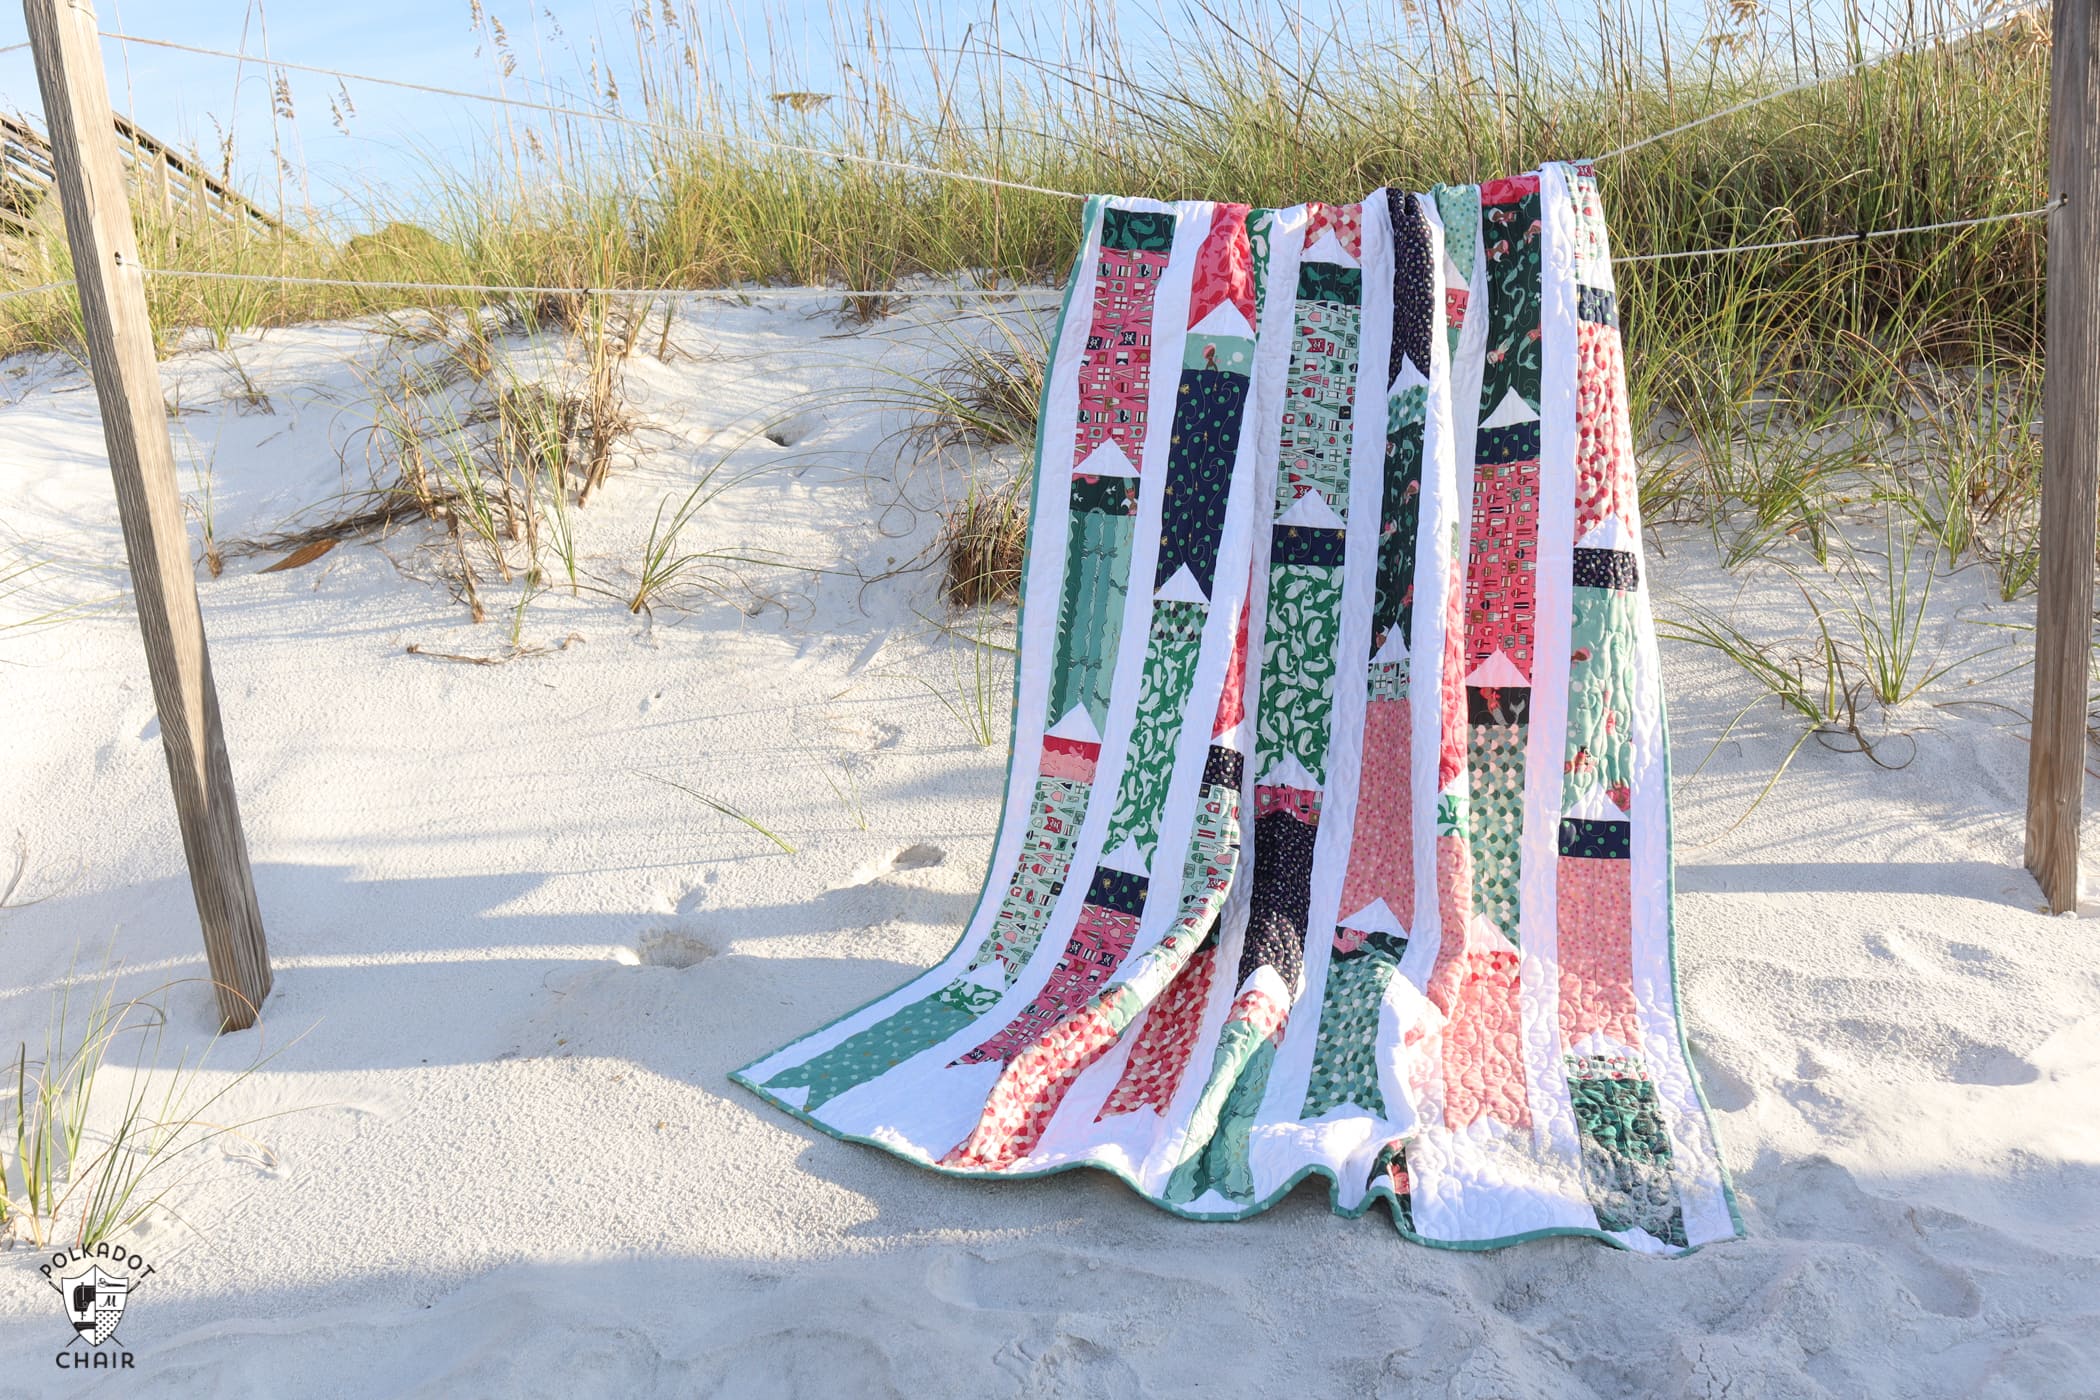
{"x":1556,"y":1140}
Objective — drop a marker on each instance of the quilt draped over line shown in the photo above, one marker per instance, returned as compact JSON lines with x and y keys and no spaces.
{"x":1337,"y":829}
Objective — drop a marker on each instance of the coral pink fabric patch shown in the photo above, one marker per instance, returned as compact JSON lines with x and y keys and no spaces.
{"x":1382,"y":852}
{"x":1451,"y":746}
{"x":1345,"y":220}
{"x":1604,"y":481}
{"x":1224,"y":267}
{"x":1596,"y":951}
{"x":1454,"y":903}
{"x":1022,"y":1103}
{"x":1484,"y":1041}
{"x":1510,"y":190}
{"x":1072,"y":760}
{"x":1161,"y":1053}
{"x":1116,"y":374}
{"x":1501,"y":579}
{"x":1232,"y":699}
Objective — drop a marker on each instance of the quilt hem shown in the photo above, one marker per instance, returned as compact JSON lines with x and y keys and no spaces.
{"x":1376,"y":1194}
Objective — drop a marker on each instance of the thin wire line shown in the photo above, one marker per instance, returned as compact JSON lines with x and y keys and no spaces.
{"x":12,"y":47}
{"x":1975,"y":27}
{"x":587,"y":114}
{"x":843,"y":293}
{"x":32,"y":291}
{"x":1861,"y":237}
{"x":790,"y":293}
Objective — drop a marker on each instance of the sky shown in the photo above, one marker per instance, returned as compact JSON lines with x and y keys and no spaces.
{"x":388,"y":147}
{"x":394,"y":136}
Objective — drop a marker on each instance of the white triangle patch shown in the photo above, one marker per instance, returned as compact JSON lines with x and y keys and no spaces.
{"x":1289,"y":772}
{"x":1394,"y":650}
{"x":1311,"y":509}
{"x":1375,"y":917}
{"x":1105,"y":460}
{"x":1223,"y":320}
{"x":1267,"y":979}
{"x":1597,"y":1043}
{"x":793,"y":1095}
{"x":1510,"y":412}
{"x":1455,"y":277}
{"x":1497,"y":670}
{"x":1180,"y":588}
{"x":1126,"y":858}
{"x":1409,"y":377}
{"x":1592,"y":804}
{"x":1611,"y":533}
{"x":1328,"y":249}
{"x":1077,"y":725}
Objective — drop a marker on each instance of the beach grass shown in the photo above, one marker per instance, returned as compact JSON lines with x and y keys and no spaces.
{"x":1253,"y":109}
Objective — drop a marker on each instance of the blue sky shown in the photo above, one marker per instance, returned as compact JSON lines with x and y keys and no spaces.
{"x":388,"y":143}
{"x":394,"y":136}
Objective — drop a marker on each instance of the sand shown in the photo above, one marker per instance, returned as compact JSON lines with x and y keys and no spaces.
{"x":514,"y":967}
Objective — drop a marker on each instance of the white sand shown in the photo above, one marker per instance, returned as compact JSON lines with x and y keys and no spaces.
{"x":516,"y":1166}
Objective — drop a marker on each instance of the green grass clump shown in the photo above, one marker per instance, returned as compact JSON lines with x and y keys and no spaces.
{"x":101,"y":1129}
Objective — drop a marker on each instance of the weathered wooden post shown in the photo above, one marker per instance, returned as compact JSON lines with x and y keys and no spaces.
{"x":2071,"y":459}
{"x":142,"y":460}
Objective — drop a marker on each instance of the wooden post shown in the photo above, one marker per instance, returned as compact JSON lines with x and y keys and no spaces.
{"x":2070,"y":460}
{"x":142,"y":460}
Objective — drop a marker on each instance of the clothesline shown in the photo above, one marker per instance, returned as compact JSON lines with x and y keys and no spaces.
{"x":32,"y":291}
{"x":842,"y":293}
{"x":782,"y":292}
{"x":1860,"y":237}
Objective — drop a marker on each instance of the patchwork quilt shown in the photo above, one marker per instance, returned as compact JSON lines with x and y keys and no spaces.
{"x":1337,"y":831}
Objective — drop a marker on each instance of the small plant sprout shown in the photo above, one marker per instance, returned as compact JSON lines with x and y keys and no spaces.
{"x":665,"y":561}
{"x":978,"y":684}
{"x":715,"y":804}
{"x":1886,"y":606}
{"x":846,"y":788}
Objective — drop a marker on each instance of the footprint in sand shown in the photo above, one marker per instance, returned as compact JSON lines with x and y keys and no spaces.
{"x":672,"y":948}
{"x":793,"y":429}
{"x":1979,"y":1063}
{"x":917,"y":856}
{"x":1727,"y":1089}
{"x":1818,"y":1199}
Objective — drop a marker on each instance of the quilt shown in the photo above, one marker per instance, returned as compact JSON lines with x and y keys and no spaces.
{"x":1336,"y":839}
